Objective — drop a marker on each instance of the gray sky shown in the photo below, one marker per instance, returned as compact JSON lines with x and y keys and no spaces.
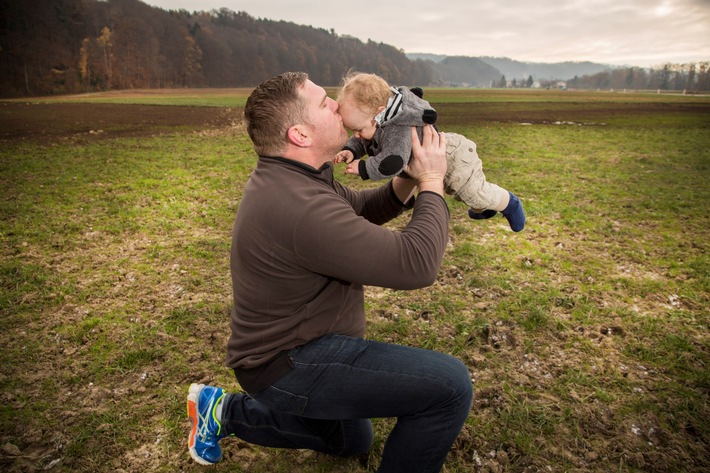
{"x":623,"y":32}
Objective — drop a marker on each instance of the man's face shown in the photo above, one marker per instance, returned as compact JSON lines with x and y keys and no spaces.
{"x":362,"y":124}
{"x":330,"y":134}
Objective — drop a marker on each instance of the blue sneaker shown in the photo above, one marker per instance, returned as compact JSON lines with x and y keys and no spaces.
{"x":206,"y":430}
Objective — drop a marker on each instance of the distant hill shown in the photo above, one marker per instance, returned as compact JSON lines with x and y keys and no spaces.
{"x":542,"y":71}
{"x":480,"y":71}
{"x":464,"y":71}
{"x":427,"y":57}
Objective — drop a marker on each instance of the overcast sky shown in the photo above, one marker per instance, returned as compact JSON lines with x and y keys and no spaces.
{"x":622,"y":32}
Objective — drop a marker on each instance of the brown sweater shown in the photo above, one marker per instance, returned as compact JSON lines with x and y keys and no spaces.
{"x":302,"y":249}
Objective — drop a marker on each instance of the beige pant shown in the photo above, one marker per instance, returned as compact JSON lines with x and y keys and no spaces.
{"x":464,"y":178}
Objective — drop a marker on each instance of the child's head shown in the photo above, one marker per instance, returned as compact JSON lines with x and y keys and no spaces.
{"x":361,"y":97}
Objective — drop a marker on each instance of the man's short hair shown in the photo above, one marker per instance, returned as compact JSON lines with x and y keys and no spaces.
{"x":272,"y":108}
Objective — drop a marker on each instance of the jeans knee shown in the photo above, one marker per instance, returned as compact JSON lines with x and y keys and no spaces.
{"x":358,"y":436}
{"x":462,"y":384}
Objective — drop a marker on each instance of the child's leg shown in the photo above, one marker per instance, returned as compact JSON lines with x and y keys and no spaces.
{"x":466,"y":181}
{"x":503,"y":197}
{"x":511,"y":208}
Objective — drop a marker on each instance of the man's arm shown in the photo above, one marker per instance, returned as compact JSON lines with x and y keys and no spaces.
{"x":370,"y":254}
{"x":404,"y":188}
{"x":428,"y":164}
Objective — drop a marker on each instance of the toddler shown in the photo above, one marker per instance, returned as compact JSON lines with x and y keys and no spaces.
{"x":380,"y":118}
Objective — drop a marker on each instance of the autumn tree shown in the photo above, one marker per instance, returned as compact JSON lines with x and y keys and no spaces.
{"x":104,"y":42}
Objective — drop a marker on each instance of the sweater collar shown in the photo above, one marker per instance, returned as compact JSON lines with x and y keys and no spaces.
{"x":324,"y":173}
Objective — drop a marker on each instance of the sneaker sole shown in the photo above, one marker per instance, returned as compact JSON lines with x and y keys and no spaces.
{"x":192,"y":397}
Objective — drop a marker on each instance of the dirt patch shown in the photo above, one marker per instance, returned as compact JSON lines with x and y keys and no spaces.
{"x":468,"y":114}
{"x":51,"y":121}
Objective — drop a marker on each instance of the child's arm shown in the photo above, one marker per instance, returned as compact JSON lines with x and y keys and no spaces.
{"x":354,"y":149}
{"x":356,"y":146}
{"x":351,"y":153}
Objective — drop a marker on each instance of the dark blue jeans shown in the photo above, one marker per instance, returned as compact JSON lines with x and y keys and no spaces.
{"x":338,"y":383}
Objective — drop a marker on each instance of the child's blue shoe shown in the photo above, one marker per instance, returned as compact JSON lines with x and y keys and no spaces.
{"x":514,"y":213}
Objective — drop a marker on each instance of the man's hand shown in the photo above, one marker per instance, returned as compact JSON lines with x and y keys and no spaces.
{"x":427,"y":165}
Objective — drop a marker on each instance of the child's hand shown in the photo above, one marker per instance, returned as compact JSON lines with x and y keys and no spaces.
{"x":344,"y":155}
{"x":353,"y":167}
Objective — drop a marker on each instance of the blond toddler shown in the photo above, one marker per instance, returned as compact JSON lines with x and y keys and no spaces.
{"x":381,"y":117}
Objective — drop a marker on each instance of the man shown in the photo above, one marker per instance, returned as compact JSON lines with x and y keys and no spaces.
{"x":303,"y":248}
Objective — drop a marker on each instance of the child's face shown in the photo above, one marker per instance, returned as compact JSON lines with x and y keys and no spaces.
{"x":361,"y":123}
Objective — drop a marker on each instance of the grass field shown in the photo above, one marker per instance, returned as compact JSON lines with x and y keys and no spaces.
{"x":586,"y":334}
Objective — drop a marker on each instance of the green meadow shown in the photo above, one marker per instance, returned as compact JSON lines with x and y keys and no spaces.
{"x":586,"y":334}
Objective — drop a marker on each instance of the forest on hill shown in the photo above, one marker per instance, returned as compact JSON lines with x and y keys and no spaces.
{"x":72,"y":46}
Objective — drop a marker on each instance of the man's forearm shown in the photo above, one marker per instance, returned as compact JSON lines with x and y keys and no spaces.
{"x":436,"y":185}
{"x":403,"y":188}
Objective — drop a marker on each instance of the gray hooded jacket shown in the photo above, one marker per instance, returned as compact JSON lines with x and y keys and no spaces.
{"x":390,"y":148}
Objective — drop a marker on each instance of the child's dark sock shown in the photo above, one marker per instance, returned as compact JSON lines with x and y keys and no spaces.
{"x":481,"y":215}
{"x":514,"y":213}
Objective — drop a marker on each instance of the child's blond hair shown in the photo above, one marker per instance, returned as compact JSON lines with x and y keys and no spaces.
{"x":369,"y":91}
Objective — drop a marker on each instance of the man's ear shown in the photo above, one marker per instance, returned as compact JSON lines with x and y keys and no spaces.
{"x":299,"y":135}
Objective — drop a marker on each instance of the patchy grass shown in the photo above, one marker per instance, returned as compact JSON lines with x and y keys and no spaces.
{"x":586,"y":334}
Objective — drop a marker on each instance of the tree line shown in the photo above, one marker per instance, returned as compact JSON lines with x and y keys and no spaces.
{"x":73,"y":46}
{"x":692,"y":77}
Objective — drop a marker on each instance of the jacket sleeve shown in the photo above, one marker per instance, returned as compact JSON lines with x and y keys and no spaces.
{"x":356,"y":146}
{"x":396,"y":148}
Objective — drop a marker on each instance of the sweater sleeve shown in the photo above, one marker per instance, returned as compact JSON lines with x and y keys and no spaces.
{"x":378,"y":205}
{"x":348,"y":247}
